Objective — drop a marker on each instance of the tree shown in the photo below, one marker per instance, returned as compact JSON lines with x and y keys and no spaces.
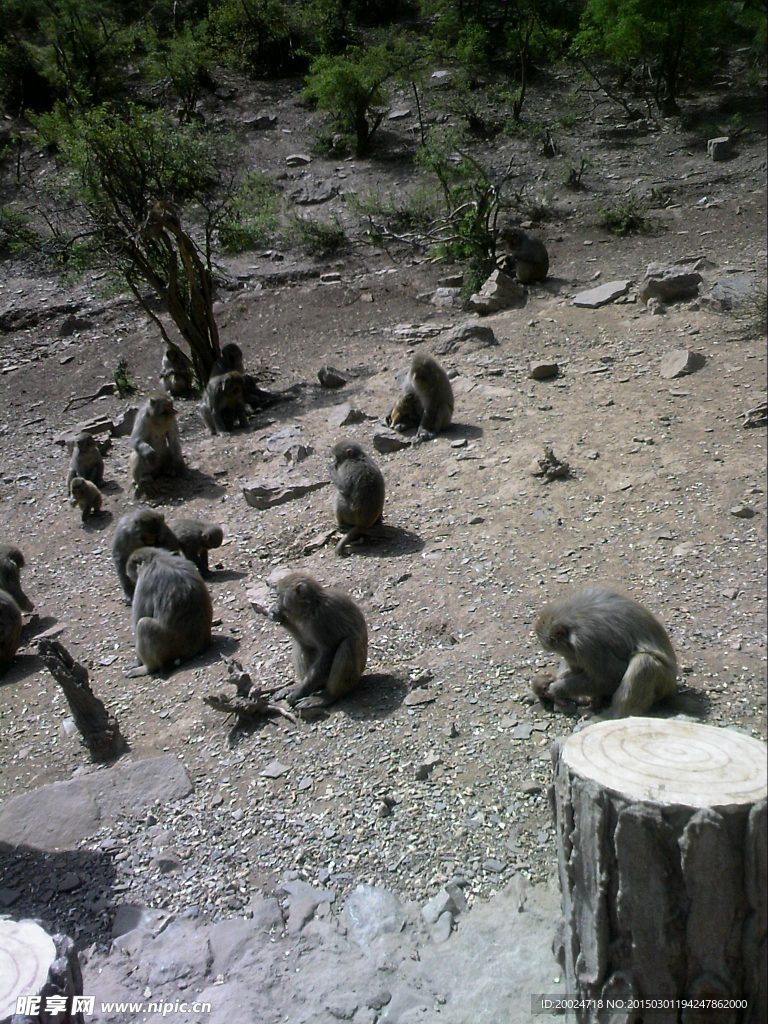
{"x":131,"y":172}
{"x":351,"y":87}
{"x":657,"y":42}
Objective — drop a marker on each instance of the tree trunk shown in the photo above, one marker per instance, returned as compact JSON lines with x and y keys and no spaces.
{"x":98,"y":728}
{"x":661,"y":829}
{"x":42,"y":971}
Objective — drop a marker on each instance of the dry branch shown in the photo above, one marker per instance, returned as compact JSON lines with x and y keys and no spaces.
{"x":98,"y":728}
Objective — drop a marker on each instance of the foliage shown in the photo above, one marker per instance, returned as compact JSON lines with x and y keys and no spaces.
{"x":397,"y":214}
{"x":350,"y":87}
{"x":251,"y":215}
{"x":123,"y":380}
{"x":130,"y":172}
{"x":17,"y":236}
{"x":254,"y":36}
{"x":624,"y":218}
{"x":184,"y":59}
{"x":656,"y":43}
{"x":316,"y":237}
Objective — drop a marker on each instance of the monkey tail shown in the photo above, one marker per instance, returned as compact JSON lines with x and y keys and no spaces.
{"x":350,"y":536}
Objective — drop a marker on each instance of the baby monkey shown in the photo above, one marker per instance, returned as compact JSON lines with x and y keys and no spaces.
{"x":360,"y":497}
{"x":330,"y":637}
{"x":85,"y":495}
{"x":613,"y":649}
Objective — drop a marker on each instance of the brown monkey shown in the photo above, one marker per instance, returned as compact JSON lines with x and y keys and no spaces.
{"x":528,"y":253}
{"x":613,"y":648}
{"x":223,"y":404}
{"x":196,"y":537}
{"x":176,"y":372}
{"x":406,"y":412}
{"x":330,"y":638}
{"x":11,"y":564}
{"x":172,"y":611}
{"x":231,"y":358}
{"x":155,"y":442}
{"x":142,"y":528}
{"x":10,"y":629}
{"x":360,"y":485}
{"x":86,"y":495}
{"x":87,"y":461}
{"x":429,"y":384}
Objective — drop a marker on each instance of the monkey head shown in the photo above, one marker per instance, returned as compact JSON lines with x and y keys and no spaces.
{"x":161,"y":407}
{"x":295,"y":598}
{"x":10,"y":581}
{"x":553,"y":635}
{"x":85,"y":442}
{"x":232,"y":357}
{"x":346,"y":450}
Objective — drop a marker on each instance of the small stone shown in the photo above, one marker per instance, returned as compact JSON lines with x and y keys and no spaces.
{"x":743,"y":512}
{"x":719,"y":149}
{"x":442,"y":928}
{"x":493,"y":865}
{"x":460,"y":443}
{"x":521,"y":732}
{"x":440,"y":903}
{"x":386,"y":444}
{"x":476,"y":520}
{"x":680,"y":362}
{"x":427,"y":766}
{"x":593,"y":298}
{"x":331,"y":277}
{"x":451,"y":281}
{"x":543,"y":371}
{"x":274,"y":770}
{"x":297,"y":159}
{"x":655,"y":307}
{"x":330,"y":377}
{"x":531,"y":788}
{"x":399,"y":114}
{"x":345,"y":415}
{"x":69,"y":882}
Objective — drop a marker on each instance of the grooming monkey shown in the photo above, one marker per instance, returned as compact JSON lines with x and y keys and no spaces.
{"x":87,"y":461}
{"x":172,"y":611}
{"x":330,"y":637}
{"x":406,"y":412}
{"x":155,"y":442}
{"x":528,"y":253}
{"x":360,"y":486}
{"x":86,"y":496}
{"x":196,"y":537}
{"x":613,"y":649}
{"x":142,"y":528}
{"x":428,"y":382}
{"x":223,"y":405}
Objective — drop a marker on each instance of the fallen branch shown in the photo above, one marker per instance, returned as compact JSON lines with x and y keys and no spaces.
{"x":98,"y":728}
{"x":105,"y":389}
{"x":250,"y":702}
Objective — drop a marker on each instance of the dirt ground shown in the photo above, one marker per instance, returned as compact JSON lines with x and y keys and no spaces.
{"x":479,"y":544}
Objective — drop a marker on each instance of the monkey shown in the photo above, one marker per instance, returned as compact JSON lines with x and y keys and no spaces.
{"x":223,"y":404}
{"x":142,"y":528}
{"x":406,"y":412}
{"x":360,"y":497}
{"x":613,"y":648}
{"x":172,"y":611}
{"x":428,"y":382}
{"x":86,"y":495}
{"x":11,"y":564}
{"x":528,"y":253}
{"x":196,"y":537}
{"x":231,"y":358}
{"x":87,"y":461}
{"x":155,"y":442}
{"x":10,"y":629}
{"x":330,"y":637}
{"x":176,"y":372}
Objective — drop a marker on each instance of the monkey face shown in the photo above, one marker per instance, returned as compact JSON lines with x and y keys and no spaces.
{"x":345,"y":450}
{"x":85,"y":443}
{"x":296,"y":596}
{"x":161,"y":408}
{"x":232,"y":357}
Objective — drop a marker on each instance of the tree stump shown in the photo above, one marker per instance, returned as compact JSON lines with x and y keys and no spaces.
{"x":41,"y":969}
{"x":661,"y":833}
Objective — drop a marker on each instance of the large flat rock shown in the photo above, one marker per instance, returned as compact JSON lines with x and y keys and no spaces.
{"x":58,"y":816}
{"x":602,"y":295}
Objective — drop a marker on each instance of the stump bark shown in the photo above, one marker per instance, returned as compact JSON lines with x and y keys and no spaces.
{"x":661,"y":832}
{"x":41,"y":966}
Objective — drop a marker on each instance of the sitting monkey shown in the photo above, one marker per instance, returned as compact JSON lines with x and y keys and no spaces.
{"x":613,"y":649}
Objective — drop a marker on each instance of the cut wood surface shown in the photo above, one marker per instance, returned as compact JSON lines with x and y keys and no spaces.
{"x":26,"y":955}
{"x":670,"y":761}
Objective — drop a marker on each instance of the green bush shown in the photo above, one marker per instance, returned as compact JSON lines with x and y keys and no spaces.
{"x":251,"y":219}
{"x":627,"y":217}
{"x":316,"y":237}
